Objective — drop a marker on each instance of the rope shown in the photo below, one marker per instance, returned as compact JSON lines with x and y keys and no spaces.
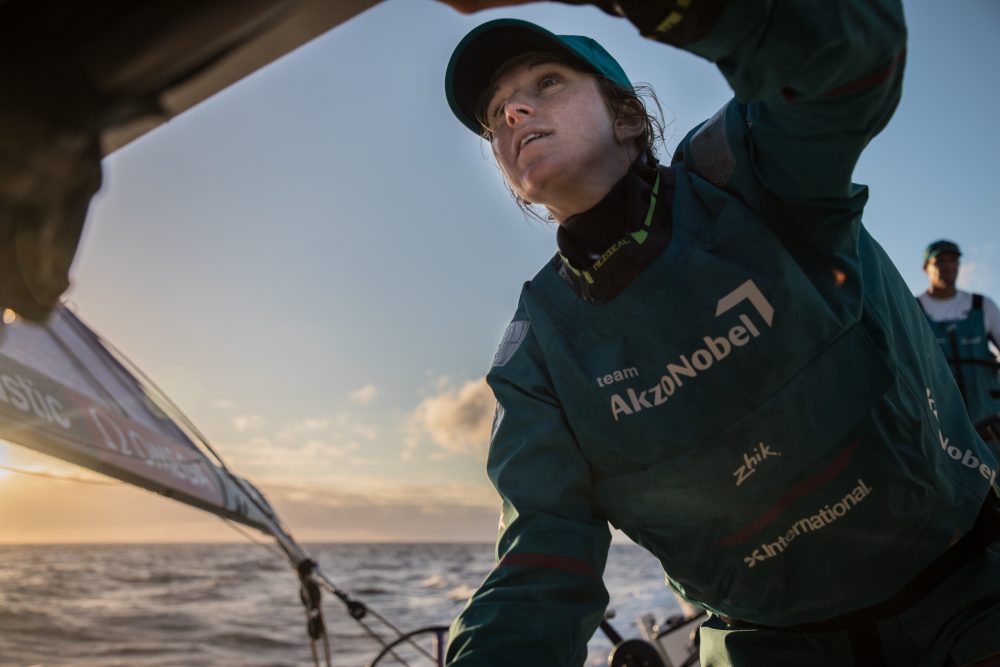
{"x":267,"y":545}
{"x":157,"y":397}
{"x":161,"y":401}
{"x":326,"y":648}
{"x":170,"y":409}
{"x":399,"y":633}
{"x":312,"y":642}
{"x":374,"y":635}
{"x":281,"y":556}
{"x":351,"y":605}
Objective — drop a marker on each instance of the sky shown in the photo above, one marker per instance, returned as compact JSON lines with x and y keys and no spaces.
{"x":317,"y":264}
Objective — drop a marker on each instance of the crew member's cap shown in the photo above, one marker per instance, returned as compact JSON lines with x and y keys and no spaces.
{"x":940,"y":247}
{"x":481,"y":53}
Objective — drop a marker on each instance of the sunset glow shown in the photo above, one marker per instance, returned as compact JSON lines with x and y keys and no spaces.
{"x":318,"y":263}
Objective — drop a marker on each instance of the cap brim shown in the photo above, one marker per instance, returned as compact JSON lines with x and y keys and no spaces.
{"x":941,"y":247}
{"x":481,"y":53}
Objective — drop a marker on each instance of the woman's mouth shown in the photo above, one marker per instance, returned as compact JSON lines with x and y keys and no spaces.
{"x":528,"y":138}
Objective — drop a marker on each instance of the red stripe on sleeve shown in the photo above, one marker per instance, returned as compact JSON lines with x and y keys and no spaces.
{"x":868,"y":81}
{"x":872,"y":80}
{"x":551,"y":561}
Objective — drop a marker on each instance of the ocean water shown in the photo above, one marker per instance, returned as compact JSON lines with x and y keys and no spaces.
{"x":238,"y":605}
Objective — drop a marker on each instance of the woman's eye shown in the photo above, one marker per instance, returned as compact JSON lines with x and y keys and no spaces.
{"x":548,"y":80}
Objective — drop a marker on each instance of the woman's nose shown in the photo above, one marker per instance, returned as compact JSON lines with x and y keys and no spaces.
{"x":516,"y":110}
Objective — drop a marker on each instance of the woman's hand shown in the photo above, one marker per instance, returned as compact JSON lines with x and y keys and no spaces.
{"x":470,"y":6}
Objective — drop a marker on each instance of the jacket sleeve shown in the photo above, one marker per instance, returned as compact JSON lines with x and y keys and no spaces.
{"x":545,"y":597}
{"x":814,"y":81}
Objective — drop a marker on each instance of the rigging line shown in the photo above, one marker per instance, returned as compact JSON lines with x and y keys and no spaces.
{"x":121,"y":365}
{"x":157,"y":396}
{"x":78,"y":362}
{"x":161,"y":400}
{"x":164,"y":403}
{"x":131,"y":371}
{"x":326,"y":647}
{"x":372,"y":633}
{"x":186,"y":428}
{"x":61,"y":478}
{"x":281,"y":557}
{"x":323,"y":579}
{"x":312,"y":647}
{"x":75,"y":359}
{"x":399,"y":634}
{"x":255,"y":498}
{"x":385,"y":621}
{"x":270,"y":547}
{"x":343,"y":597}
{"x":122,"y":369}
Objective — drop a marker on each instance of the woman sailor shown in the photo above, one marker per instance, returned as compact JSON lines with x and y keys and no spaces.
{"x":720,"y":360}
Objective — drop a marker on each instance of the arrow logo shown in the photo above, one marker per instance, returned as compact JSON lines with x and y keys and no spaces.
{"x":752,"y":293}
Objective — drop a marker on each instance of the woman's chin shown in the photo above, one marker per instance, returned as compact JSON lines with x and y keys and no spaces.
{"x":542,"y":185}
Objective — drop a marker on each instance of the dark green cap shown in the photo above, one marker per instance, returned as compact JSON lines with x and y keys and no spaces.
{"x":940,"y":247}
{"x":481,"y":53}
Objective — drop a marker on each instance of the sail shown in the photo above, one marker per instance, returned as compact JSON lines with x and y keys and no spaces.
{"x":65,"y":393}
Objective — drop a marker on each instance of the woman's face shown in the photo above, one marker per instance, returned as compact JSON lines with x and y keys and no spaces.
{"x":555,"y":138}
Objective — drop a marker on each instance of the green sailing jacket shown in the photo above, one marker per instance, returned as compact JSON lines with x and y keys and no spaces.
{"x":764,"y":408}
{"x":966,"y":339}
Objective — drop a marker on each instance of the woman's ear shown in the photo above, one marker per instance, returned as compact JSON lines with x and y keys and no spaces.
{"x":631,"y":121}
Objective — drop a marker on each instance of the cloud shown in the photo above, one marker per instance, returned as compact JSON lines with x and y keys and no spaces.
{"x":363,"y":395}
{"x":364,"y":430}
{"x":381,"y":492}
{"x":317,"y":458}
{"x":223,"y":404}
{"x":321,"y":450}
{"x":456,"y":421}
{"x":977,"y":273}
{"x":245,"y":423}
{"x":338,"y":426}
{"x":975,"y":276}
{"x":307,"y":425}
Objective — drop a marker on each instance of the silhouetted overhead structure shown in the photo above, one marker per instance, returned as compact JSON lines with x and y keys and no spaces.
{"x":82,"y":78}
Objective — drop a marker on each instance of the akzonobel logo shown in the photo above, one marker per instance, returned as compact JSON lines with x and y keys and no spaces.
{"x":717,"y":348}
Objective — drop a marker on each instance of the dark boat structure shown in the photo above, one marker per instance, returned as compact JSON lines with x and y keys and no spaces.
{"x":82,"y":78}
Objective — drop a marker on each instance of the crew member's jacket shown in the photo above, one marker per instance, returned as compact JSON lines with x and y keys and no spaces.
{"x":764,"y":406}
{"x":964,"y":342}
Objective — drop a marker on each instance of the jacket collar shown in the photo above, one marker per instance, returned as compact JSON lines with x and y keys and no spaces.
{"x":603,"y":249}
